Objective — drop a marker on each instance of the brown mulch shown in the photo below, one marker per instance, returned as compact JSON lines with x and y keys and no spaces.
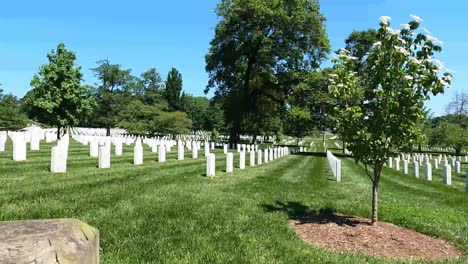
{"x":341,"y":233}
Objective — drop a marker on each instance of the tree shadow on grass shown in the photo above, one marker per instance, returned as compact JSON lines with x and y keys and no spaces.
{"x":305,"y":215}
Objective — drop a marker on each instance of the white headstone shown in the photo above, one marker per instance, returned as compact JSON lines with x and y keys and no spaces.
{"x":447,"y":174}
{"x":207,"y":149}
{"x":138,"y":153}
{"x":194,"y":150}
{"x":266,"y":155}
{"x":436,"y":164}
{"x":390,"y":162}
{"x":252,"y":158}
{"x":3,"y":138}
{"x":242,"y":160}
{"x":397,"y":164}
{"x":118,"y":148}
{"x":428,"y":171}
{"x":416,"y":169}
{"x":210,"y":165}
{"x":225,"y":148}
{"x":93,"y":148}
{"x":180,"y":151}
{"x":58,"y":161}
{"x":104,"y":157}
{"x":19,"y":148}
{"x":162,"y":153}
{"x":35,"y":140}
{"x":229,"y":162}
{"x":405,"y":167}
{"x":457,"y":167}
{"x":259,"y":157}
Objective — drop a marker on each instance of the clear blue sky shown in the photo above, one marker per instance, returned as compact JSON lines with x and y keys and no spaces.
{"x":141,"y":34}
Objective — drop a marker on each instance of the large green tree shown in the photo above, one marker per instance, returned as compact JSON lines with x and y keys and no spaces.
{"x":174,"y":89}
{"x":152,"y":86}
{"x":382,"y":109}
{"x":112,"y":95}
{"x":11,"y":116}
{"x":58,"y":98}
{"x":359,"y":43}
{"x":260,"y":51}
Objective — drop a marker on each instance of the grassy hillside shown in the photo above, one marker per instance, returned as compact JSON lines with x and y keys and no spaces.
{"x":169,"y":213}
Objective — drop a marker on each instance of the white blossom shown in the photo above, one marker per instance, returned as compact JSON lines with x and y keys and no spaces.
{"x":344,"y":50}
{"x":425,"y":30}
{"x":438,"y":63}
{"x":416,"y":61}
{"x":378,"y":43}
{"x":402,"y":40}
{"x":333,"y":75}
{"x":435,"y":40}
{"x":393,"y":31}
{"x":406,"y":26}
{"x":341,"y":85}
{"x":409,"y":77}
{"x":384,"y":19}
{"x":416,"y":18}
{"x":444,"y":83}
{"x":402,"y":50}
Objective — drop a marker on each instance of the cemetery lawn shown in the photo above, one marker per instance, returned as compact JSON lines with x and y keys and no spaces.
{"x":170,"y":213}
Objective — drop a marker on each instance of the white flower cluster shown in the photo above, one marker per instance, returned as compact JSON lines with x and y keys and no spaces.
{"x":384,"y":20}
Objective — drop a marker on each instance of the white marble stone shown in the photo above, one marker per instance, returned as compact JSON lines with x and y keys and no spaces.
{"x":93,"y":148}
{"x":457,"y":167}
{"x":118,"y":148}
{"x":58,"y":159}
{"x":242,"y":160}
{"x":162,"y":153}
{"x":210,"y":165}
{"x":207,"y":149}
{"x":104,"y":157}
{"x":266,"y":158}
{"x":180,"y":151}
{"x":19,"y":148}
{"x":390,"y":162}
{"x":259,"y":157}
{"x":229,"y":162}
{"x":428,"y":171}
{"x":138,"y":153}
{"x":3,"y":139}
{"x":194,"y":150}
{"x":252,"y":158}
{"x":447,"y":174}
{"x":416,"y":169}
{"x":225,"y":149}
{"x":405,"y":167}
{"x":35,"y":140}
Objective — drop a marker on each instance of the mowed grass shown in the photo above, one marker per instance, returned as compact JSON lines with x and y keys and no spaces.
{"x":170,"y":213}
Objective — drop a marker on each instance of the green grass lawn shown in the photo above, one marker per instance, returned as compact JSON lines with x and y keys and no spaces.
{"x":170,"y":213}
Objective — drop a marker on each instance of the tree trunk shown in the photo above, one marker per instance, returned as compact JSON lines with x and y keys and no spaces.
{"x":419,"y":148}
{"x":344,"y":146}
{"x":108,"y":131}
{"x":375,"y":193}
{"x":58,"y":132}
{"x":458,"y":150}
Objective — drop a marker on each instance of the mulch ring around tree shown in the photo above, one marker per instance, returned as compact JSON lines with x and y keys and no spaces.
{"x":348,"y":234}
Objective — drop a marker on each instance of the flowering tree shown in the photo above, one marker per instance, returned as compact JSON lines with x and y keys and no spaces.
{"x":380,"y":108}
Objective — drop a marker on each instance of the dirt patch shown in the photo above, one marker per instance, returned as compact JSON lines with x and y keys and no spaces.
{"x":354,"y":234}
